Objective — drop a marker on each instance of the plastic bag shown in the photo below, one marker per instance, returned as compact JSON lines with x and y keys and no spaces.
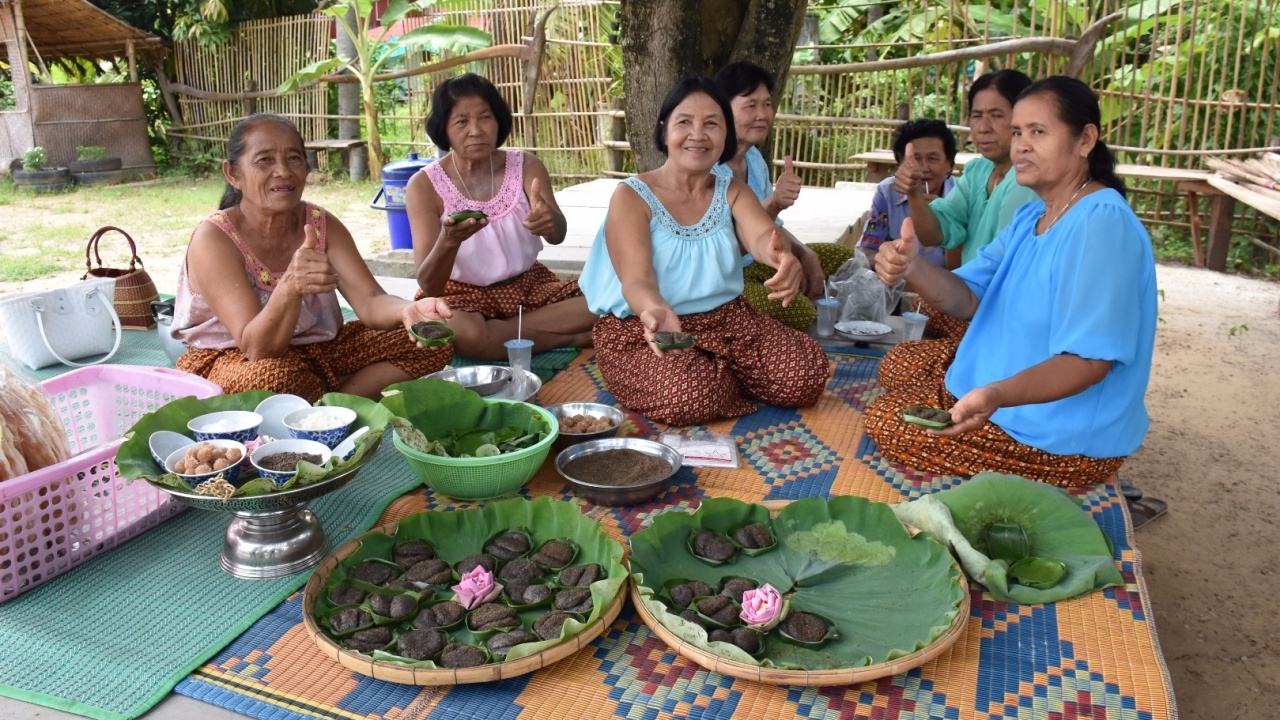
{"x":31,"y":434}
{"x":862,"y":295}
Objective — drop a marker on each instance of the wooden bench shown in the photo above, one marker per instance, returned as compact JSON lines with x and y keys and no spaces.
{"x":343,"y":147}
{"x":881,"y":164}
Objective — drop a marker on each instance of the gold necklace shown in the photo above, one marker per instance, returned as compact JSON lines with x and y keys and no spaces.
{"x":1064,"y":207}
{"x":458,"y":170}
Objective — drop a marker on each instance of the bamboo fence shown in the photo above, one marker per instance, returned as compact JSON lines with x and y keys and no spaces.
{"x":1212,"y":104}
{"x":260,"y":55}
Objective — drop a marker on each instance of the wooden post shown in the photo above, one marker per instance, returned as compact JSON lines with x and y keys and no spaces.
{"x":21,"y":38}
{"x":133,"y":60}
{"x":618,"y":134}
{"x":1193,"y":207}
{"x":1224,"y":209}
{"x":249,"y":103}
{"x":166,"y":90}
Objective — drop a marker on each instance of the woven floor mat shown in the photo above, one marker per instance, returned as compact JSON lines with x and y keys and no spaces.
{"x":1095,"y":656}
{"x":110,"y":638}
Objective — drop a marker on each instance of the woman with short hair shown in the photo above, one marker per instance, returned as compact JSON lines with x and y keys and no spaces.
{"x":668,"y":259}
{"x":486,"y":268}
{"x":257,"y":302}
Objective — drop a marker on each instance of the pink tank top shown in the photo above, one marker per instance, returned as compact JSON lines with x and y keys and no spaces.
{"x":195,"y":324}
{"x":504,"y":248}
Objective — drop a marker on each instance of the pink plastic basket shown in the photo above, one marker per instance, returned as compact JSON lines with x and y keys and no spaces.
{"x":56,"y":518}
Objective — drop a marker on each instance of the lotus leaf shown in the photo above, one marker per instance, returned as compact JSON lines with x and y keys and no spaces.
{"x":848,"y":560}
{"x":1055,"y":526}
{"x":455,"y":535}
{"x":134,"y":459}
{"x":456,"y":422}
{"x":1036,"y":572}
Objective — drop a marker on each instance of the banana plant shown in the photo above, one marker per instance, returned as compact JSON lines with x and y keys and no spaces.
{"x":373,"y":48}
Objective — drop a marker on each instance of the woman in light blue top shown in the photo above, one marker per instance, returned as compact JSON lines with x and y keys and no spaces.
{"x":1052,"y":372}
{"x":749,"y":88}
{"x":667,"y":259}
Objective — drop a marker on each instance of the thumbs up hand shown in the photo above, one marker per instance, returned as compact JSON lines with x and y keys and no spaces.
{"x":540,"y":220}
{"x":785,"y":283}
{"x":909,"y":179}
{"x":787,"y":189}
{"x":309,"y":272}
{"x":895,"y":258}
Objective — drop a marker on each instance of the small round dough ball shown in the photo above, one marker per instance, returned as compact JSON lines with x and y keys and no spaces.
{"x":220,"y":464}
{"x":205,"y":453}
{"x":201,"y":469}
{"x":233,"y":455}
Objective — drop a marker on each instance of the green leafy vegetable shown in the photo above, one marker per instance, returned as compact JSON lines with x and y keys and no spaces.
{"x":1054,"y":524}
{"x":456,"y":422}
{"x":847,"y":560}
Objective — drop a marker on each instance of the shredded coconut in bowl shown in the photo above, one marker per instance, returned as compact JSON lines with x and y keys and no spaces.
{"x":227,"y":425}
{"x":317,"y":421}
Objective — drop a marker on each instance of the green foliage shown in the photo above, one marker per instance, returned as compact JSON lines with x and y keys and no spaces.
{"x":372,"y":53}
{"x":89,"y":153}
{"x":34,"y":159}
{"x":1240,"y":329}
{"x":8,"y":100}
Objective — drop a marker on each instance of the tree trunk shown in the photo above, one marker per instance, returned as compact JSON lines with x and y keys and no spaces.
{"x":665,"y":41}
{"x":349,"y":102}
{"x":371,"y":126}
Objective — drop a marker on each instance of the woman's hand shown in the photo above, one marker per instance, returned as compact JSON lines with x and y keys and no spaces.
{"x":455,"y":232}
{"x":814,"y":282}
{"x":785,"y":283}
{"x":972,"y":411}
{"x":310,"y":272}
{"x":659,"y":319}
{"x":424,"y":310}
{"x":540,"y":221}
{"x":787,"y":189}
{"x":896,"y":257}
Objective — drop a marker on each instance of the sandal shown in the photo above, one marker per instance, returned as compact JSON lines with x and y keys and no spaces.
{"x":1146,"y":509}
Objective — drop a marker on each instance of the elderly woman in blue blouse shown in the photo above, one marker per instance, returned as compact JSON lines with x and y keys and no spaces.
{"x":749,"y":88}
{"x":1051,"y":375}
{"x":668,"y":259}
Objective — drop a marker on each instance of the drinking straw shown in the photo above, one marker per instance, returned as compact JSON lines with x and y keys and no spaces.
{"x":519,"y":321}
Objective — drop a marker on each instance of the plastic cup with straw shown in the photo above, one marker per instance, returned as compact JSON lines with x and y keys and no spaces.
{"x":519,"y":350}
{"x":828,"y":311}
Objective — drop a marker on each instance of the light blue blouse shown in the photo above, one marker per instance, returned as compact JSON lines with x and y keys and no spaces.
{"x":698,"y":266}
{"x":759,"y":178}
{"x":1086,"y":287}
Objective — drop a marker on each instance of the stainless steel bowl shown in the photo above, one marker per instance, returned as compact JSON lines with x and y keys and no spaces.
{"x":484,"y":379}
{"x":568,"y":410}
{"x":615,"y":495}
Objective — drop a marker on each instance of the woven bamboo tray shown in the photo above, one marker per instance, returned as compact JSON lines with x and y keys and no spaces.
{"x":773,"y":676}
{"x":392,"y":672}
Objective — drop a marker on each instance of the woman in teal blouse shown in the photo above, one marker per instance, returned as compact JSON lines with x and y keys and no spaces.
{"x":668,"y":259}
{"x":985,"y":197}
{"x":1049,"y":381}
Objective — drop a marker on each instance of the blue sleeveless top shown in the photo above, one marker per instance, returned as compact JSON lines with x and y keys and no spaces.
{"x":698,"y":267}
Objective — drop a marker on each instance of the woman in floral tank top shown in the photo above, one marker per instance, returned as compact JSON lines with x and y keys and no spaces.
{"x":486,"y":268}
{"x":257,"y":301}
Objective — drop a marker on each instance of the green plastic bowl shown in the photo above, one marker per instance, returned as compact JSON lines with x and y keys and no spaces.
{"x":481,"y":478}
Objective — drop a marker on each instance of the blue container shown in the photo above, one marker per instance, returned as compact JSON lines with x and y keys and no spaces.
{"x":395,"y":176}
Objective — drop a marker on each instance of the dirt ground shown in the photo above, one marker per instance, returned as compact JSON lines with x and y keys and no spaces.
{"x":1212,"y":453}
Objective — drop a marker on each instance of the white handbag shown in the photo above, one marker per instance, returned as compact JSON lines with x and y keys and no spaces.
{"x":59,"y":326}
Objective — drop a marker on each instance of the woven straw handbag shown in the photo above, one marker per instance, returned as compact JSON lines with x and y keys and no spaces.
{"x":134,"y":287}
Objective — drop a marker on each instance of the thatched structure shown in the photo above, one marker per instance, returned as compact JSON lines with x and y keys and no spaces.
{"x":61,"y":117}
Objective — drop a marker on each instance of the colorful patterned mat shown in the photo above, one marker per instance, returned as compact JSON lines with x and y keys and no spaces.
{"x":1092,"y":657}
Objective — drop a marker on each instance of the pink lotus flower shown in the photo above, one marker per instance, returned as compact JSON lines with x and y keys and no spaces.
{"x":477,"y":587}
{"x":762,"y":608}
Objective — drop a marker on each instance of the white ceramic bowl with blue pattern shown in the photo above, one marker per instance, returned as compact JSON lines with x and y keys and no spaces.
{"x":302,"y":447}
{"x":230,"y":473}
{"x":164,"y":442}
{"x":238,"y":425}
{"x":325,"y":424}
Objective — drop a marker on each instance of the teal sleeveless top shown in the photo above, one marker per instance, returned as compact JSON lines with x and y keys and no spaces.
{"x":699,"y":267}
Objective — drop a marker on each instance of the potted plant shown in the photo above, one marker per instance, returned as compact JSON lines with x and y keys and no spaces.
{"x":93,"y":166}
{"x":36,"y":177}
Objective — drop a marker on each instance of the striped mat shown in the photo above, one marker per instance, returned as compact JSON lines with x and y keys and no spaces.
{"x":1091,"y":657}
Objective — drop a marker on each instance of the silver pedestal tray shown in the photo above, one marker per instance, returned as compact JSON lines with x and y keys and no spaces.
{"x":271,"y":535}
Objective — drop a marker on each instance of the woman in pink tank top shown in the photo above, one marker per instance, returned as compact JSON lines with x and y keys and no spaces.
{"x":486,"y":268}
{"x":257,"y":299}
